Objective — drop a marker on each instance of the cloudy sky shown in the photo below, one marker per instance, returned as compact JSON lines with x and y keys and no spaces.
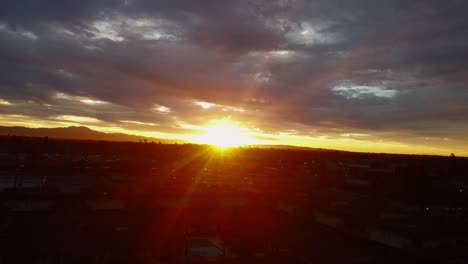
{"x":362,"y":75}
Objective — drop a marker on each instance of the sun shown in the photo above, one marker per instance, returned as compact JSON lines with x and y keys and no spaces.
{"x":224,"y":134}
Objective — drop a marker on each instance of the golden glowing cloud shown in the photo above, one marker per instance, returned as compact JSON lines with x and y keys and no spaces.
{"x":161,"y":109}
{"x":4,"y":102}
{"x":78,"y":119}
{"x":81,"y":99}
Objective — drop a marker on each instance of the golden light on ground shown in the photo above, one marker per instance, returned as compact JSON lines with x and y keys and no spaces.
{"x":223,"y":134}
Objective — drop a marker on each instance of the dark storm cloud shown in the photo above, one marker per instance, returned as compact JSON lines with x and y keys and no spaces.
{"x":25,"y":11}
{"x":315,"y":66}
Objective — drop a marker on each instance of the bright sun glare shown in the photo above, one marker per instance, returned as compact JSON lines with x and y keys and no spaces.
{"x":223,"y":134}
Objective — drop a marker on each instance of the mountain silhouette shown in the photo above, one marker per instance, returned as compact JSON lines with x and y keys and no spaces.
{"x":78,"y":132}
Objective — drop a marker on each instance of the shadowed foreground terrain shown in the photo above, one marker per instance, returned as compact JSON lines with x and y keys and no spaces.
{"x":71,"y":201}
